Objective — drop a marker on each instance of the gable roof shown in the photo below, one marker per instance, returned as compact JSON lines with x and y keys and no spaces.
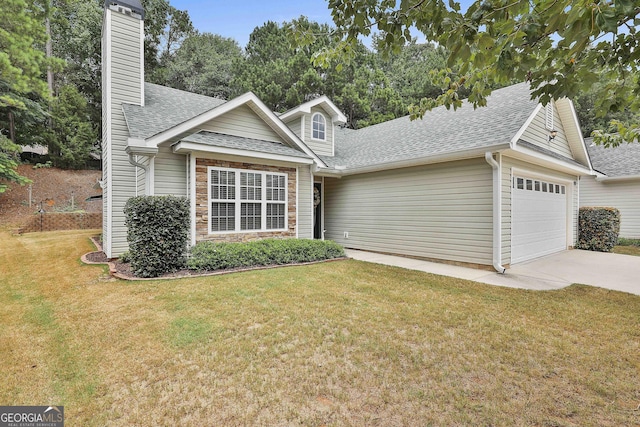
{"x":164,"y":108}
{"x":323,"y":102}
{"x":169,"y":113}
{"x":623,"y":160}
{"x":441,"y":132}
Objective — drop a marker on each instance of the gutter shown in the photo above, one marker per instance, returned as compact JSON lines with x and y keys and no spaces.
{"x":339,"y":170}
{"x":617,"y":178}
{"x":497,"y":213}
{"x":148,"y":169}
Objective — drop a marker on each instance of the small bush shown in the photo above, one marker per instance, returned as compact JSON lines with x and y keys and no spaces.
{"x":598,"y":228}
{"x":158,"y":233}
{"x":221,"y":256}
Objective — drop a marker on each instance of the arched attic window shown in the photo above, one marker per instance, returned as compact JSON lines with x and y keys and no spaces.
{"x":318,"y":127}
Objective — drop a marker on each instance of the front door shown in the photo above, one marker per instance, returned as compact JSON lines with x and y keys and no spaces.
{"x":317,"y":210}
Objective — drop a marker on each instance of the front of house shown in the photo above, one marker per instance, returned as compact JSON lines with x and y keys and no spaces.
{"x":492,"y":186}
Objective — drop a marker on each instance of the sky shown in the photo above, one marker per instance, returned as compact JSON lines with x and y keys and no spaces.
{"x":237,"y":19}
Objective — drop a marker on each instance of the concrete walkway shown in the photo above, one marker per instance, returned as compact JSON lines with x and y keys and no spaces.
{"x":610,"y":271}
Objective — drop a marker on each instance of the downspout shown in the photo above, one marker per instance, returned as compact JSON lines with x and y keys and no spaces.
{"x":145,"y":168}
{"x":497,"y":214}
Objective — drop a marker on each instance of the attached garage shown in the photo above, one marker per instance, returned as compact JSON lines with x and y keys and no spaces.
{"x":539,"y":218}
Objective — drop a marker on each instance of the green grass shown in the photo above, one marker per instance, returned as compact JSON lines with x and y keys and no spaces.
{"x":341,"y":343}
{"x":628,"y":247}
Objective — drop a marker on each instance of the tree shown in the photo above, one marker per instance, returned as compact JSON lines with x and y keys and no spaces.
{"x":410,"y":70}
{"x":71,"y":137}
{"x":165,"y":28}
{"x":76,"y":31}
{"x":22,"y":65}
{"x":560,"y":47}
{"x":283,"y":76}
{"x":204,"y":64}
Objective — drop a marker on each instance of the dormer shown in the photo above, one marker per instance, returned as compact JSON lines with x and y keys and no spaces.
{"x":314,"y":122}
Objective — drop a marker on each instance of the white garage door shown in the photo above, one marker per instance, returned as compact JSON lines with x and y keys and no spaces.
{"x":538,"y":218}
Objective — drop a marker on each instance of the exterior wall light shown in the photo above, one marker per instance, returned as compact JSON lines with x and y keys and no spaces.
{"x":552,"y":135}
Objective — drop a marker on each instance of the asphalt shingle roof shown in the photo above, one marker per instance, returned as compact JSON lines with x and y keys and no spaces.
{"x":237,"y":142}
{"x":165,"y":108}
{"x":440,"y":132}
{"x":623,"y":160}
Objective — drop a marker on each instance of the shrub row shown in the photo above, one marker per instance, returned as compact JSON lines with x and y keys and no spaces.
{"x":598,"y":228}
{"x":158,"y":233}
{"x":221,"y":256}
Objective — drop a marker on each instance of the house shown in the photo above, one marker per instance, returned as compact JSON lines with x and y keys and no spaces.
{"x":615,"y":184}
{"x":491,"y":186}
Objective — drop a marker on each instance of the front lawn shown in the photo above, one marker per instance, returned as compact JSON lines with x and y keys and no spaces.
{"x":340,"y":343}
{"x":628,"y":247}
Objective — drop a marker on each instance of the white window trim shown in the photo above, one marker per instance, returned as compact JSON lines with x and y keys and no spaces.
{"x":325,"y":126}
{"x":238,"y":202}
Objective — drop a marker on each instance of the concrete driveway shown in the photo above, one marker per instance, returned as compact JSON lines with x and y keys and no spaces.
{"x":610,"y":271}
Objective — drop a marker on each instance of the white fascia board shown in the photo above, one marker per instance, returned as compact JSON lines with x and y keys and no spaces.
{"x":418,"y":161}
{"x":576,"y":123}
{"x":336,"y":115}
{"x":604,"y":178}
{"x":140,"y":147}
{"x":183,"y":147}
{"x":553,"y":163}
{"x":524,"y":127}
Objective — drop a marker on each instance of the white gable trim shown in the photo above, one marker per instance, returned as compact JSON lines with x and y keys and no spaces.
{"x":249,"y":99}
{"x":551,"y":162}
{"x":523,"y":128}
{"x":184,"y":147}
{"x":336,"y":115}
{"x":568,"y":104}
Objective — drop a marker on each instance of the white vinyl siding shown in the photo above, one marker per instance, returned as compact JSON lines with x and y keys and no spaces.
{"x":622,"y":195}
{"x":321,"y":147}
{"x":305,"y":203}
{"x":438,"y":211}
{"x":538,"y":134}
{"x":242,"y":200}
{"x":126,"y":87}
{"x":170,"y":173}
{"x":244,"y":122}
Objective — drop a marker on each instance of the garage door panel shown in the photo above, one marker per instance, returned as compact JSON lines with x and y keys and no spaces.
{"x":539,"y":219}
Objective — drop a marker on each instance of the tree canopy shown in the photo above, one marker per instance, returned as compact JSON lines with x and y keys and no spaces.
{"x":562,"y":47}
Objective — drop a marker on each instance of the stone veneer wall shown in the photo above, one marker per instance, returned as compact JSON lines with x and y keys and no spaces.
{"x":202,"y":208}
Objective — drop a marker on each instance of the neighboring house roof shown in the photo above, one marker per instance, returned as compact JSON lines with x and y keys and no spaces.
{"x":240,"y":143}
{"x":623,"y":160}
{"x":163,"y":109}
{"x":440,"y":132}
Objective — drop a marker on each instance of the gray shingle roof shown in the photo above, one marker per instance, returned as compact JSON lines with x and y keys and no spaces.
{"x":236,"y":142}
{"x":165,"y":108}
{"x":440,"y":132}
{"x":623,"y":160}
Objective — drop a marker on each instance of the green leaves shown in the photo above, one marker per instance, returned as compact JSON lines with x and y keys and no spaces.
{"x":559,"y":46}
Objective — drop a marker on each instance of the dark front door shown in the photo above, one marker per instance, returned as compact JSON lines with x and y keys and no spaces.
{"x":317,"y":210}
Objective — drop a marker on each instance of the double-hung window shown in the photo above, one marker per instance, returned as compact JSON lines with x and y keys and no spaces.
{"x":245,"y":200}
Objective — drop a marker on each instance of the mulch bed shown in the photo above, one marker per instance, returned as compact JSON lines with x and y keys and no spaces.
{"x":122,"y":270}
